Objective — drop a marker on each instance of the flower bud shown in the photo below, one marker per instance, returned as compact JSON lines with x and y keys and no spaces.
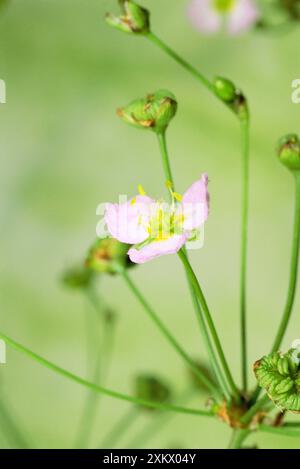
{"x":153,"y":112}
{"x":225,"y":89}
{"x":108,"y":256}
{"x":289,"y":151}
{"x":234,"y":98}
{"x":77,"y":277}
{"x":134,"y":19}
{"x":150,"y":388}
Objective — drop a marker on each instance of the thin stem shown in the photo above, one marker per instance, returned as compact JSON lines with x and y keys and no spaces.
{"x":210,"y":323}
{"x":238,"y":437}
{"x":99,"y":373}
{"x":214,"y":362}
{"x":282,"y":431}
{"x":155,"y":318}
{"x":99,"y":389}
{"x":247,"y":417}
{"x":293,"y":270}
{"x":158,"y":42}
{"x":292,"y":280}
{"x":244,"y":239}
{"x":120,"y":428}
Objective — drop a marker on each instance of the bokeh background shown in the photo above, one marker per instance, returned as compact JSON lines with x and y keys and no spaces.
{"x":63,"y":150}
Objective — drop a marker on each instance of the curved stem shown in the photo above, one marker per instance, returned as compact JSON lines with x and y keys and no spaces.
{"x":210,"y":323}
{"x":293,"y":270}
{"x":212,"y":357}
{"x":120,"y":428}
{"x":99,"y":389}
{"x":244,"y":239}
{"x":211,"y":386}
{"x":158,"y":42}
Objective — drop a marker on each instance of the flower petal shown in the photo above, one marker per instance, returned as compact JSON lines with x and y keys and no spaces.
{"x":157,"y":249}
{"x":195,"y":204}
{"x":204,"y":17}
{"x":242,"y":16}
{"x":128,"y":222}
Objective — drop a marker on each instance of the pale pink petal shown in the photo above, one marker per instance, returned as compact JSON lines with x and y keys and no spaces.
{"x":128,"y":222}
{"x":156,"y":249}
{"x":204,"y":17}
{"x":195,"y":204}
{"x":242,"y":16}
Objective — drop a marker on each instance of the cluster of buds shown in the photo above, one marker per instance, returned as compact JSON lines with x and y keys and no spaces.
{"x":153,"y":112}
{"x":133,"y":19}
{"x":234,"y":98}
{"x":279,"y":375}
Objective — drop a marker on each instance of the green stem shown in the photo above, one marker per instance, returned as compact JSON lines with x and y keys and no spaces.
{"x":104,"y":351}
{"x":292,"y":280}
{"x":155,"y":318}
{"x":293,"y":270}
{"x":120,"y":428}
{"x":238,"y":437}
{"x":99,"y":389}
{"x":244,"y":239}
{"x":282,"y":431}
{"x":158,"y":42}
{"x":210,"y":323}
{"x":248,"y":416}
{"x":214,"y":362}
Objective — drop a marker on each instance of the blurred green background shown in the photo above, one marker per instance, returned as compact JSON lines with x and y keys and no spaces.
{"x":63,"y":150}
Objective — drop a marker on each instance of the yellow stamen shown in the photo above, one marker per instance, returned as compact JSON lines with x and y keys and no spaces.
{"x":177,"y":196}
{"x":133,"y":201}
{"x":169,"y":185}
{"x":141,"y":190}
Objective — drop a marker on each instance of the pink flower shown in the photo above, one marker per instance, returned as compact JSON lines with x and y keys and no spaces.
{"x":209,"y":15}
{"x":156,"y":228}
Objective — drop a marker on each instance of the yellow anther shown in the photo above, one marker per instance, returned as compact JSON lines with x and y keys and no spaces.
{"x":141,"y":190}
{"x":177,"y":196}
{"x":169,"y":185}
{"x":133,"y":201}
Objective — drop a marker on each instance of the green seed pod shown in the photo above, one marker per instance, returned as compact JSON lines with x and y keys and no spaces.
{"x":134,"y":19}
{"x":154,"y":112}
{"x":108,"y":255}
{"x":77,"y":277}
{"x":151,"y":388}
{"x":289,"y":151}
{"x":225,"y":89}
{"x":279,"y":375}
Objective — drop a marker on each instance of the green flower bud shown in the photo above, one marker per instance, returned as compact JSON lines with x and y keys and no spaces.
{"x":279,"y":375}
{"x":77,"y":277}
{"x":150,"y":388}
{"x":289,"y":151}
{"x":134,"y":18}
{"x":229,"y":94}
{"x":108,"y":256}
{"x":225,"y":89}
{"x":154,"y":112}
